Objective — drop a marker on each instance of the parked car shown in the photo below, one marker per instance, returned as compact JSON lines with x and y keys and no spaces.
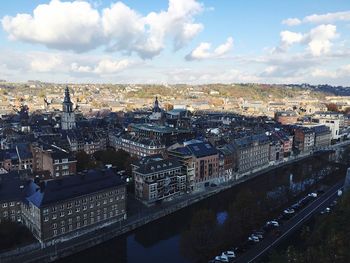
{"x":326,"y":211}
{"x":222,"y":258}
{"x":259,"y":234}
{"x":273,"y":223}
{"x":314,"y":195}
{"x":229,"y":254}
{"x":253,"y":238}
{"x":289,"y":211}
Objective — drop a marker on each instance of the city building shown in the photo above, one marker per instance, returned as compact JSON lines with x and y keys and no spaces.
{"x":252,"y":152}
{"x":203,"y":158}
{"x":286,"y":117}
{"x":156,"y":178}
{"x":304,"y":139}
{"x":60,"y":209}
{"x":136,"y":146}
{"x":56,"y":161}
{"x":12,"y":191}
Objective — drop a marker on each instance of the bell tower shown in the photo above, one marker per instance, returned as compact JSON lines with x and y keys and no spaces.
{"x":68,"y":115}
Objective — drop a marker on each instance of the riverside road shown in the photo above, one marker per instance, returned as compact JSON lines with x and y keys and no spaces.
{"x":291,"y":225}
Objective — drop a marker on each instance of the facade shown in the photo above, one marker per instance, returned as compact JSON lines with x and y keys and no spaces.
{"x":203,"y":158}
{"x":322,"y":136}
{"x":137,"y":146}
{"x":54,"y":160}
{"x":12,"y":190}
{"x":62,"y":208}
{"x":286,"y":117}
{"x":18,"y":158}
{"x":252,"y":152}
{"x":68,"y":115}
{"x":332,"y":124}
{"x":157,"y":179}
{"x":304,"y":139}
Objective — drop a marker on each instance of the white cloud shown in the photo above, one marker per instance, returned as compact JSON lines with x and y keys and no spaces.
{"x":202,"y":51}
{"x":318,"y":40}
{"x":103,"y":67}
{"x":79,"y":27}
{"x":289,"y":38}
{"x":319,"y":18}
{"x":60,"y":25}
{"x":291,"y":22}
{"x":45,"y":62}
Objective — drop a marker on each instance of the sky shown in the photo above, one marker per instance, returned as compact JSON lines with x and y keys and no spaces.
{"x":176,"y":41}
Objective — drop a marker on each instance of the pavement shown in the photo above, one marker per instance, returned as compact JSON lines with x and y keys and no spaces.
{"x":288,"y":227}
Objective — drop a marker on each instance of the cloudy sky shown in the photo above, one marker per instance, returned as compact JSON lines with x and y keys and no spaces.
{"x":176,"y":41}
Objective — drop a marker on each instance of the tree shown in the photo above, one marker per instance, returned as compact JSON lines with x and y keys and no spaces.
{"x":332,"y":107}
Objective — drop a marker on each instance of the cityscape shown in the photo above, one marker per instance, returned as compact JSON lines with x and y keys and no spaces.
{"x":128,"y":133}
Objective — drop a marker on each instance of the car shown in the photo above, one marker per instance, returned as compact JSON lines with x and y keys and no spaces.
{"x":229,"y":254}
{"x":289,"y":211}
{"x":326,"y":211}
{"x":253,"y":238}
{"x":222,"y":258}
{"x":259,"y":234}
{"x":273,"y":223}
{"x":213,"y":185}
{"x":314,"y":195}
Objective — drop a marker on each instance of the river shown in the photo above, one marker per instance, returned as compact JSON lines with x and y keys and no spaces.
{"x":199,"y":232}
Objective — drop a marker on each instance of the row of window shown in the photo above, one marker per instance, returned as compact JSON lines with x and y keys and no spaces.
{"x":4,"y":205}
{"x":77,"y":203}
{"x":79,"y":224}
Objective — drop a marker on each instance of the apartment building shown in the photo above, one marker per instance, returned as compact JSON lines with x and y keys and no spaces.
{"x":73,"y":205}
{"x":252,"y":152}
{"x":157,"y":179}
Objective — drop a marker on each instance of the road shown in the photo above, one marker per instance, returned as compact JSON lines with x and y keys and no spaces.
{"x":288,"y":227}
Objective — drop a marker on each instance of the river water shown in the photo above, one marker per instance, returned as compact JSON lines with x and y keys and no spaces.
{"x":201,"y":231}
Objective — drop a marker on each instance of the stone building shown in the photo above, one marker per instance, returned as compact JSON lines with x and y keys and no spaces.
{"x":304,"y":139}
{"x":252,"y":152}
{"x":157,"y":178}
{"x":57,"y":161}
{"x":136,"y":146}
{"x":74,"y":205}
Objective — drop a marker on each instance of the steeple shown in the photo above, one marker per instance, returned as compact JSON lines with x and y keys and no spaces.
{"x":67,"y":103}
{"x":156,"y":106}
{"x":68,"y":115}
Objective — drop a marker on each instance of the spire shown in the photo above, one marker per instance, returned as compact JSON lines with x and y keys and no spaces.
{"x":156,"y":106}
{"x":67,"y":96}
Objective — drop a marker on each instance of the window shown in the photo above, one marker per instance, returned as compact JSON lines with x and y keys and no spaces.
{"x":63,"y":230}
{"x":55,"y":232}
{"x":54,"y":225}
{"x":46,"y":218}
{"x":4,"y":205}
{"x":78,"y":224}
{"x":62,"y":223}
{"x":12,"y":203}
{"x":62,"y":214}
{"x":77,"y":209}
{"x":54,"y":216}
{"x":69,"y":211}
{"x":84,"y":207}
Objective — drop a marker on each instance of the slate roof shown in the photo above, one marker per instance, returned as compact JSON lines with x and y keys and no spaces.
{"x":156,"y":165}
{"x":202,"y":149}
{"x":72,"y":186}
{"x":12,"y":188}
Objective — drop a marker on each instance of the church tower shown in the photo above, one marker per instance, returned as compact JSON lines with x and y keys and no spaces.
{"x":68,"y":115}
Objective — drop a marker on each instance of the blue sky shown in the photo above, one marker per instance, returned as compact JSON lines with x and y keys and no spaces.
{"x":176,"y":41}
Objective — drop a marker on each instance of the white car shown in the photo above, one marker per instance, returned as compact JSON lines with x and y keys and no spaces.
{"x":289,"y":211}
{"x":253,"y":238}
{"x":222,"y":258}
{"x":314,"y":195}
{"x":273,"y":223}
{"x":229,"y":254}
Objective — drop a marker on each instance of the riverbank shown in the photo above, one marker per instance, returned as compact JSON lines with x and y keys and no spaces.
{"x":135,"y":220}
